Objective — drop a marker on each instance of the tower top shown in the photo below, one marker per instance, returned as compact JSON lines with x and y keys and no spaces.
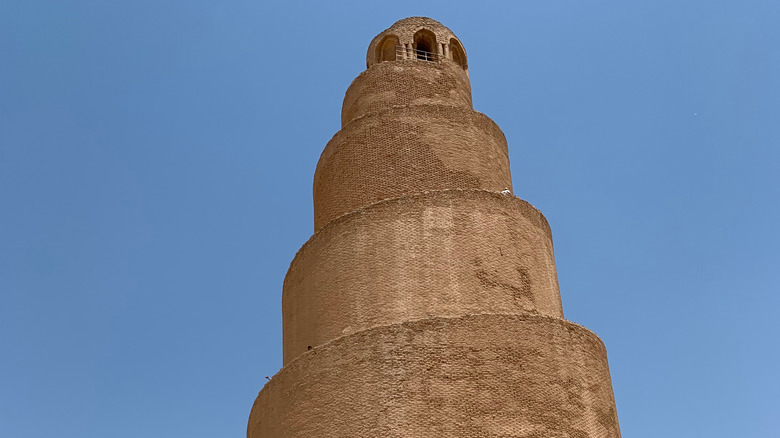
{"x":416,"y":38}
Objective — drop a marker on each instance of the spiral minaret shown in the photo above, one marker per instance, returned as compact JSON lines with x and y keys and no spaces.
{"x":426,"y":304}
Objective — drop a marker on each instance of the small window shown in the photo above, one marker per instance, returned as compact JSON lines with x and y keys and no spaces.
{"x":425,"y":45}
{"x":458,"y":54}
{"x":386,"y":49}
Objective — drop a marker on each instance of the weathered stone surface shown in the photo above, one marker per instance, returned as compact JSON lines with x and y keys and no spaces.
{"x":408,"y":150}
{"x":445,"y":253}
{"x":391,"y":84}
{"x":468,"y":377}
{"x":427,"y":304}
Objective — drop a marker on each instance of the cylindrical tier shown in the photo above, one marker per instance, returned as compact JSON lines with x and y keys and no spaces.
{"x":446,"y":253}
{"x":405,"y":37}
{"x":474,"y":376}
{"x":408,"y":150}
{"x":410,"y":82}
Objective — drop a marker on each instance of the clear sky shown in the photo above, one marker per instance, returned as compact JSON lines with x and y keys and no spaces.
{"x":156,"y":163}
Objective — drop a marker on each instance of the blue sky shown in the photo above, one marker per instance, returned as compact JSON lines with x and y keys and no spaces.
{"x":156,"y":162}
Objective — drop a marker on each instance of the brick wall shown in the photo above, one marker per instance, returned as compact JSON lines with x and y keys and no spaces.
{"x":426,"y":304}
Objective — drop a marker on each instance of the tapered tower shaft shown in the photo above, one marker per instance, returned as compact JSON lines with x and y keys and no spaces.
{"x":426,"y":304}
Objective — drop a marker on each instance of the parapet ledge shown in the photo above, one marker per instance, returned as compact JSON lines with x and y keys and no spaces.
{"x":327,"y":149}
{"x":529,"y":211}
{"x":416,"y":324}
{"x":444,"y":63}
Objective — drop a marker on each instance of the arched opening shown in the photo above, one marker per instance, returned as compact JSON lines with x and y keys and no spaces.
{"x":425,"y":45}
{"x":386,"y":49}
{"x":458,"y":54}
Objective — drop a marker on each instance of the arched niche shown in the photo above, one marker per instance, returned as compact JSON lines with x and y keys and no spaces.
{"x":425,"y":45}
{"x":386,"y":49}
{"x":458,"y":54}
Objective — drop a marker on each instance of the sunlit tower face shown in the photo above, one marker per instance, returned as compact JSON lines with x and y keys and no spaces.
{"x":426,"y":304}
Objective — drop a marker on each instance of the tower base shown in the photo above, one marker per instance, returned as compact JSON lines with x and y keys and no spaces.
{"x":473,"y":376}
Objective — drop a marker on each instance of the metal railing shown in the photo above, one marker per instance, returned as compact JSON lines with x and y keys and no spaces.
{"x":402,"y":52}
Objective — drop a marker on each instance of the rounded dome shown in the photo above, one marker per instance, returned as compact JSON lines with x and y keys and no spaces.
{"x":416,"y":38}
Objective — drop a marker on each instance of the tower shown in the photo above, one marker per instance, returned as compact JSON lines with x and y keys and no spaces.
{"x":426,"y":304}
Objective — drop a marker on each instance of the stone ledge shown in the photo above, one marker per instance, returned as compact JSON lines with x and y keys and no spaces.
{"x":482,"y":375}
